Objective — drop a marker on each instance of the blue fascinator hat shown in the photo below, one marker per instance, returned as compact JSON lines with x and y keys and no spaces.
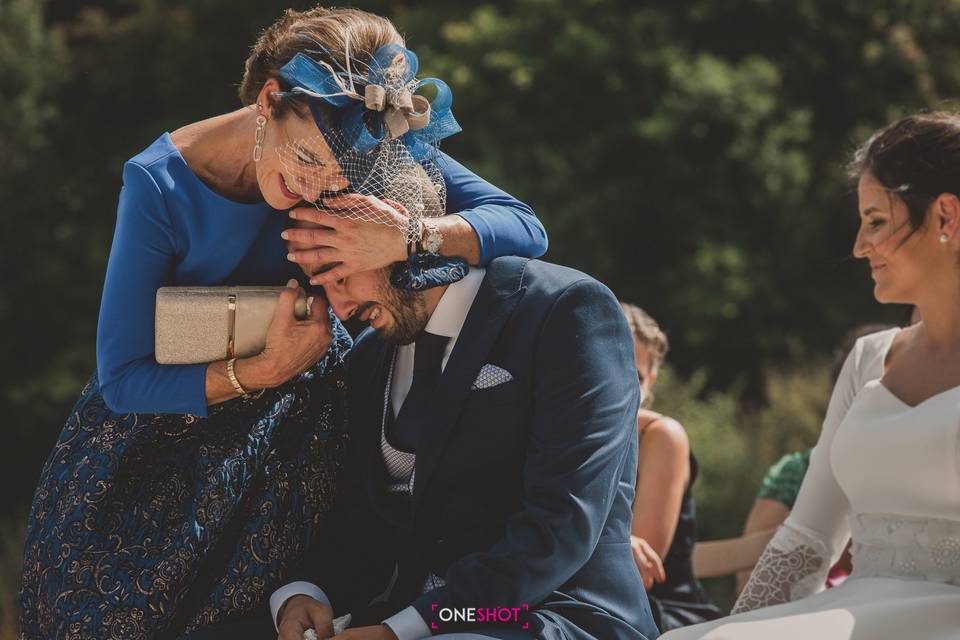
{"x":385,"y":136}
{"x":379,"y":105}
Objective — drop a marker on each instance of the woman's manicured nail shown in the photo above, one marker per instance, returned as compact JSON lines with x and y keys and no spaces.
{"x":291,"y":257}
{"x":285,"y":235}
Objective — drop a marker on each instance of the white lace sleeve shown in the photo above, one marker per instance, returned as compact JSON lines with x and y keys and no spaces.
{"x":796,"y":561}
{"x":794,"y":565}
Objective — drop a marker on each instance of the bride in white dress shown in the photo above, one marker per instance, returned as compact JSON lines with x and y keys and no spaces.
{"x":886,"y":470}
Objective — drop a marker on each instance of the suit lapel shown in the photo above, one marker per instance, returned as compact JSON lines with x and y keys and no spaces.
{"x":496,"y":299}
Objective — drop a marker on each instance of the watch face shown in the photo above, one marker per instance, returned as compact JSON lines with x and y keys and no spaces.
{"x":433,"y":240}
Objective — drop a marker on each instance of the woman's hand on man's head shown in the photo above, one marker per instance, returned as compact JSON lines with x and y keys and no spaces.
{"x":351,"y":232}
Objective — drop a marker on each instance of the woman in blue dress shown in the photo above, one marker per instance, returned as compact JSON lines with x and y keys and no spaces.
{"x":178,"y":495}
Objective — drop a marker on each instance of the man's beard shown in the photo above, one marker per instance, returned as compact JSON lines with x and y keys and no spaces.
{"x":409,"y":311}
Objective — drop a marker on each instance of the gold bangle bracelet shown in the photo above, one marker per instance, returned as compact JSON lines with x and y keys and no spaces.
{"x":233,"y":378}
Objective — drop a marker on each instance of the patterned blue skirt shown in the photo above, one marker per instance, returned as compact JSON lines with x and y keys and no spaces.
{"x":147,"y":526}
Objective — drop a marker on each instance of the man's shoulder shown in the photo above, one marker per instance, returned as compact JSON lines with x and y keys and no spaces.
{"x":537,"y":273}
{"x":546,"y":280}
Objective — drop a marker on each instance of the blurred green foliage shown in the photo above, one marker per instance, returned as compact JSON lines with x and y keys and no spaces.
{"x":689,"y":154}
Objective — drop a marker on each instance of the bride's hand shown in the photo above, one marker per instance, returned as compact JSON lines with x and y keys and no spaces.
{"x":352,"y":245}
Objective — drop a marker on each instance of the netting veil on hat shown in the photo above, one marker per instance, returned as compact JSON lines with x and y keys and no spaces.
{"x":383,"y":134}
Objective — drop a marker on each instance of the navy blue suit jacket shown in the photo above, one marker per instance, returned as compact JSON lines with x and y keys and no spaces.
{"x":523,"y":491}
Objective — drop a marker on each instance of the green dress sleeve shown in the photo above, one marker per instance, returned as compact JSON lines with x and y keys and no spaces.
{"x":783,"y":479}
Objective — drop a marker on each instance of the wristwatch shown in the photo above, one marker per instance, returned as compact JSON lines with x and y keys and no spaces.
{"x":432,"y":239}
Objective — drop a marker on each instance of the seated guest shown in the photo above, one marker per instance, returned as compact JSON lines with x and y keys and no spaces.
{"x":663,"y":511}
{"x":489,"y":481}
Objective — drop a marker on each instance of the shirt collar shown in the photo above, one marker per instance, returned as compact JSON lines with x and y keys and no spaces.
{"x":451,"y":312}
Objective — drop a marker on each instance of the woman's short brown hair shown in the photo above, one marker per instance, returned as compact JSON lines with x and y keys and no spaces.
{"x":300,"y":31}
{"x":647,"y":332}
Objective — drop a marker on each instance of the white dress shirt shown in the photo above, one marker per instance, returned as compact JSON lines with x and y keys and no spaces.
{"x":446,"y":320}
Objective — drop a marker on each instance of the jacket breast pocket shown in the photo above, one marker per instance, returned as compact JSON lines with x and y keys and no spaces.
{"x":503,"y":394}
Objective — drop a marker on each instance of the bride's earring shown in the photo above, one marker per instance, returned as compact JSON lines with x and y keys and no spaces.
{"x":258,"y":136}
{"x":944,"y":238}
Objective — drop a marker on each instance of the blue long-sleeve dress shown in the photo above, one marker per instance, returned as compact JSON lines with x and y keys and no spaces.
{"x":155,"y":513}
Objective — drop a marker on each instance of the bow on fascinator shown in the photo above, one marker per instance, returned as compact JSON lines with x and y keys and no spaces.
{"x":381,"y":106}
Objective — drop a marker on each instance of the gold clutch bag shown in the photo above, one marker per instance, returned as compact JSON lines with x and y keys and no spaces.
{"x":205,"y":324}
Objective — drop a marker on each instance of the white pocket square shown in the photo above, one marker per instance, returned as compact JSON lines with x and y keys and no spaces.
{"x":490,"y":376}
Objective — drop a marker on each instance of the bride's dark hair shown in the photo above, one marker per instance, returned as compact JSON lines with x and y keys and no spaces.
{"x":916,"y":159}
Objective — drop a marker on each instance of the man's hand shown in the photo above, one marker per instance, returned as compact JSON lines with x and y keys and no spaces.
{"x":377,"y":632}
{"x":300,"y":613}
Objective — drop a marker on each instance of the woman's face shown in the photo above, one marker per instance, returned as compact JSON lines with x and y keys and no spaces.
{"x":297,"y":164}
{"x":900,"y":263}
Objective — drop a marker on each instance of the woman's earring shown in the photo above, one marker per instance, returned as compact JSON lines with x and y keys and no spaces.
{"x":258,"y":137}
{"x":944,"y":238}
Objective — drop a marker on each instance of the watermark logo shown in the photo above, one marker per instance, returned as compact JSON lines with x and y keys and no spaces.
{"x":480,"y":615}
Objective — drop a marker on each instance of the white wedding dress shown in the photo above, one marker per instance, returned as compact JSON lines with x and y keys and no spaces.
{"x":886,"y":474}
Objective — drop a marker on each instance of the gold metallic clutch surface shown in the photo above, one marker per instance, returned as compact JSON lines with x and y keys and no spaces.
{"x":206,"y":324}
